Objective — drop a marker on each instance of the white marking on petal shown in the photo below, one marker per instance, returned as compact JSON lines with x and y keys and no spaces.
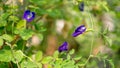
{"x":29,"y":16}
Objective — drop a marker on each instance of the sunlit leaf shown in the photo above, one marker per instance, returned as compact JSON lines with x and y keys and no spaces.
{"x":21,"y":24}
{"x":38,"y":56}
{"x":68,"y":64}
{"x":77,"y":58}
{"x":68,"y":57}
{"x":3,"y":23}
{"x":18,"y":56}
{"x":1,"y":41}
{"x":46,"y":60}
{"x":49,"y":66}
{"x":39,"y":65}
{"x":26,"y":34}
{"x":71,"y":51}
{"x":5,"y":15}
{"x":7,"y":37}
{"x":55,"y":55}
{"x":28,"y":64}
{"x":5,"y":55}
{"x":13,"y":18}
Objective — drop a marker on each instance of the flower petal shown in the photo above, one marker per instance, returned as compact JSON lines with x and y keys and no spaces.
{"x":32,"y":17}
{"x":26,"y":13}
{"x":76,"y":34}
{"x":79,"y":30}
{"x":29,"y":16}
{"x":63,"y":47}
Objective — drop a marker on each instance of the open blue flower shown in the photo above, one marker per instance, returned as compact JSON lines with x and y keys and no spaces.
{"x":63,"y":47}
{"x":81,"y":6}
{"x":28,"y":16}
{"x":79,"y":30}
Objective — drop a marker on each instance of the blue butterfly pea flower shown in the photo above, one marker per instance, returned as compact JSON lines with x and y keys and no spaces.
{"x":63,"y":47}
{"x":28,"y":15}
{"x":81,"y":6}
{"x":79,"y":30}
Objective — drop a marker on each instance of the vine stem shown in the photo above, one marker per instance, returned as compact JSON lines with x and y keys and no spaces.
{"x":92,"y":41}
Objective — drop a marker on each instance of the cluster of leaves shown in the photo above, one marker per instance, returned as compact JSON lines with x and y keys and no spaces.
{"x":15,"y":32}
{"x":57,"y":61}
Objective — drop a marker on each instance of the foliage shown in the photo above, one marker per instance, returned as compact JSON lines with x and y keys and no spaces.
{"x":16,"y":34}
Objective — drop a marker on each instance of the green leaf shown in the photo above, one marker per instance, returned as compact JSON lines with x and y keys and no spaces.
{"x":57,"y":63}
{"x":72,"y":52}
{"x":39,"y":65}
{"x":39,"y":26}
{"x":55,"y":55}
{"x":13,"y":18}
{"x":18,"y":56}
{"x":7,"y":37}
{"x":68,"y":64}
{"x":21,"y":24}
{"x":5,"y":55}
{"x":112,"y":64}
{"x":46,"y":59}
{"x":42,"y":29}
{"x":49,"y":66}
{"x":3,"y":23}
{"x":5,"y":15}
{"x":38,"y":56}
{"x":76,"y":66}
{"x":26,"y":34}
{"x":77,"y":58}
{"x":16,"y":31}
{"x":40,"y":11}
{"x":28,"y":64}
{"x":81,"y":64}
{"x":108,"y":40}
{"x":68,"y":57}
{"x":1,"y":41}
{"x":3,"y":65}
